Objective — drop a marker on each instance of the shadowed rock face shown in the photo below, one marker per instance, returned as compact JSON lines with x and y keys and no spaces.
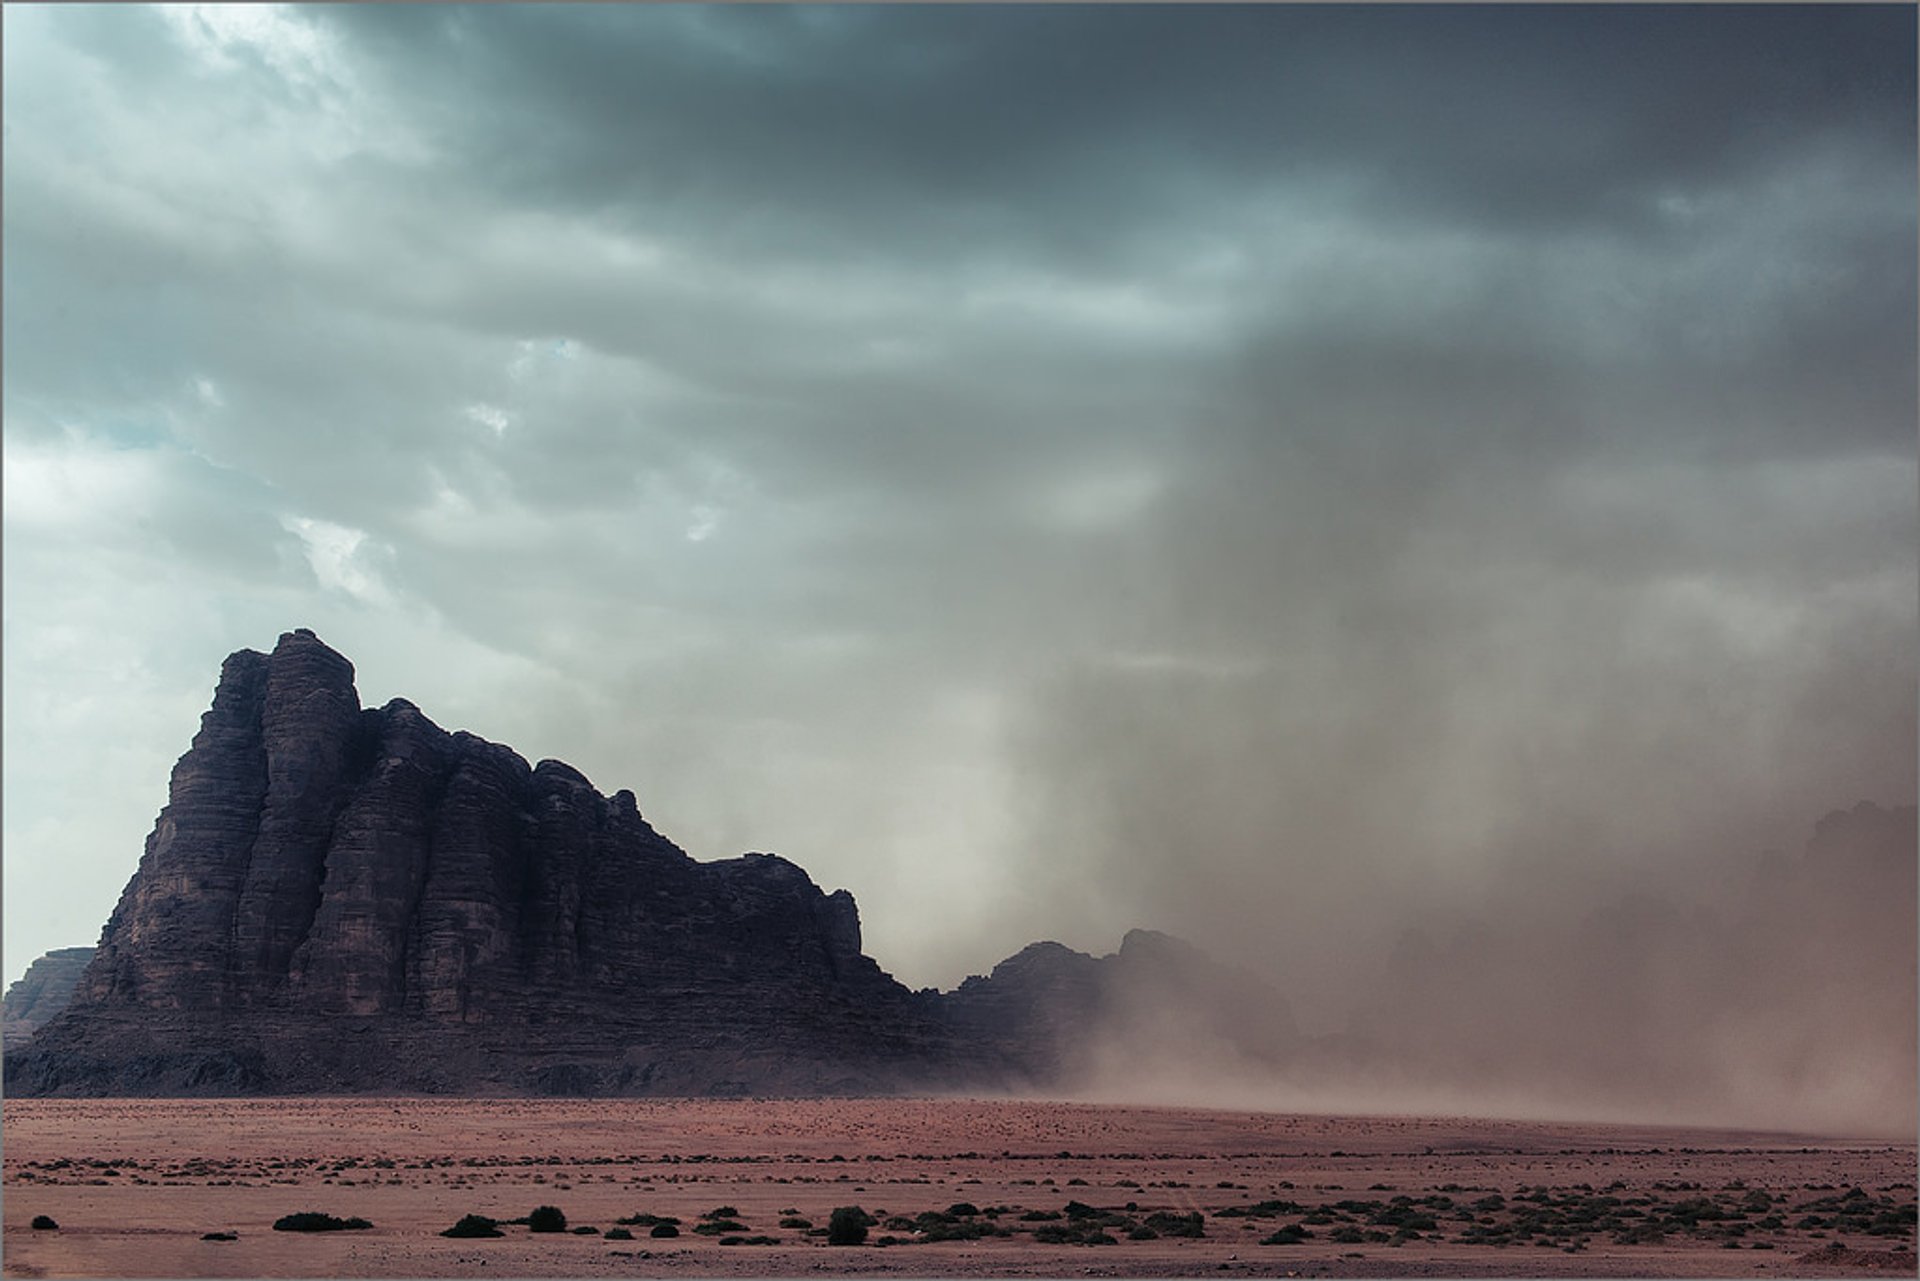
{"x":42,"y":992}
{"x":343,"y":899}
{"x":348,"y":898}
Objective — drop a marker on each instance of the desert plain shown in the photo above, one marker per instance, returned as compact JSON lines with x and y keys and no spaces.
{"x":1054,"y":1189}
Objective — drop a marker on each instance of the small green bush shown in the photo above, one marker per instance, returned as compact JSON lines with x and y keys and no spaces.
{"x":847,"y":1226}
{"x":474,"y":1225}
{"x":664,"y":1230}
{"x":617,"y":1234}
{"x":722,"y":1212}
{"x":547,"y":1218}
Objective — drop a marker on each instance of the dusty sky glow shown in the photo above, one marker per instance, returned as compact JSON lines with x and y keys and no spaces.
{"x":1271,"y":474}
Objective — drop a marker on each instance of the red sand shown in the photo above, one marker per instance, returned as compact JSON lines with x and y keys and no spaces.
{"x":134,"y":1184}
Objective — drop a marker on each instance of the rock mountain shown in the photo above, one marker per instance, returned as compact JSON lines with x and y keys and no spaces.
{"x":348,"y":899}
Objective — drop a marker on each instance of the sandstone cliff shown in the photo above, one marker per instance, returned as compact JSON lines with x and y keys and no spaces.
{"x":341,"y":899}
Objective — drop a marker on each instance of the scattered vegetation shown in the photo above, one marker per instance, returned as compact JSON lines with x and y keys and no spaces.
{"x":848,"y":1225}
{"x":309,"y":1221}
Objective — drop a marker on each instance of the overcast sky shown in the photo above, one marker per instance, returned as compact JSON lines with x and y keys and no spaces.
{"x":1262,"y":473}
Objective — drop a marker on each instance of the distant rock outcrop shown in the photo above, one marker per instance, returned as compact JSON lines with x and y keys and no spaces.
{"x":1048,"y":1010}
{"x":39,"y":994}
{"x":341,"y":899}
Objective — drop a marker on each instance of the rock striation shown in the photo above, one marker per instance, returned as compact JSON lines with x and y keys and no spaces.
{"x":344,"y":899}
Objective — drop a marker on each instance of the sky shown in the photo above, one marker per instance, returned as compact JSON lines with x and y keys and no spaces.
{"x":1278,"y":475}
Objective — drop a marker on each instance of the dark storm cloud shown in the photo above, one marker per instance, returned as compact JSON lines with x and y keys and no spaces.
{"x":931,"y":119}
{"x":1284,"y":475}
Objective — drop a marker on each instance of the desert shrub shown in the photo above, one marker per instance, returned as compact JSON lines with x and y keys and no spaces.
{"x":546,"y":1218}
{"x":963,"y":1209}
{"x":1261,"y":1210}
{"x":1039,"y":1216}
{"x":1348,"y":1236}
{"x":1292,"y":1234}
{"x":617,"y":1234}
{"x":955,"y":1230}
{"x":722,"y":1212}
{"x":719,"y":1227}
{"x":796,"y":1223}
{"x":648,"y":1220}
{"x":847,"y":1226}
{"x":1143,"y":1233}
{"x":759,"y":1240}
{"x":584,"y":1231}
{"x":1177,"y":1225}
{"x":1080,"y":1210}
{"x":308,"y":1221}
{"x":663,"y":1230}
{"x":43,"y":1223}
{"x":219,"y":1236}
{"x":474,"y":1225}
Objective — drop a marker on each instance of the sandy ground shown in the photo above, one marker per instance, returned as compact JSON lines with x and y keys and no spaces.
{"x":133,"y":1185}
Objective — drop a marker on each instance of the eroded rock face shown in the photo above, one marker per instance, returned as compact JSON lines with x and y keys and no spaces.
{"x":42,"y":992}
{"x":338,"y":898}
{"x":341,"y":899}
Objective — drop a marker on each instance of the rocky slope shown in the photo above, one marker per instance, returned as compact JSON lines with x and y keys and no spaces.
{"x":42,"y":992}
{"x":339,"y":898}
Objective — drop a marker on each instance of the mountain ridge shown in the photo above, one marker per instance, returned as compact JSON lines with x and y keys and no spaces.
{"x":338,"y":898}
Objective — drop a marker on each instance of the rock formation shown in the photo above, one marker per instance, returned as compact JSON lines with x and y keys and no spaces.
{"x":339,"y":899}
{"x":42,"y":992}
{"x":1049,"y":1011}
